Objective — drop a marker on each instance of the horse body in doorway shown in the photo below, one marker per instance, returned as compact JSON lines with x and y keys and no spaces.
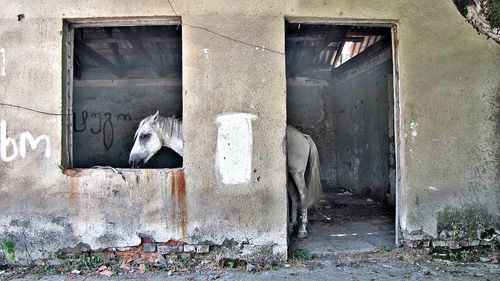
{"x":156,"y":131}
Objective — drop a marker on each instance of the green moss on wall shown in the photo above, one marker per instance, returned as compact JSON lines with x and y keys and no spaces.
{"x":470,"y":220}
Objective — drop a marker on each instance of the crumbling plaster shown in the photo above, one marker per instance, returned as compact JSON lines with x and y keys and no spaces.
{"x":448,"y":86}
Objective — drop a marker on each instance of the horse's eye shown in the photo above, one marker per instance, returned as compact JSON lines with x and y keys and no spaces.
{"x":144,"y":136}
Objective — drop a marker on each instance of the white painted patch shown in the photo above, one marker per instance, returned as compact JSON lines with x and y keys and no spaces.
{"x":433,"y":188}
{"x":2,"y":62}
{"x":205,"y":51}
{"x":25,"y":138}
{"x":234,"y":147}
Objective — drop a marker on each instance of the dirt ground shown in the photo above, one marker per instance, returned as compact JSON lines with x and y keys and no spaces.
{"x":398,"y":264}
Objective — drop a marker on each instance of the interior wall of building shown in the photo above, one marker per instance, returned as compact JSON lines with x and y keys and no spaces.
{"x":360,"y":111}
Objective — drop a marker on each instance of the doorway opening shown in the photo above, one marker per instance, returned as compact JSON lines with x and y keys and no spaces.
{"x":340,"y":91}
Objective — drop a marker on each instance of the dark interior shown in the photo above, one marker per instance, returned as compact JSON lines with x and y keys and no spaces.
{"x":339,"y":91}
{"x":121,"y":75}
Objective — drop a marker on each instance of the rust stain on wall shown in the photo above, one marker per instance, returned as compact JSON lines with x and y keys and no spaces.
{"x":77,"y":173}
{"x":73,"y":193}
{"x":178,"y":195}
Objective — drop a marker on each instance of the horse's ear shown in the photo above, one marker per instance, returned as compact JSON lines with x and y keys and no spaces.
{"x":155,"y":117}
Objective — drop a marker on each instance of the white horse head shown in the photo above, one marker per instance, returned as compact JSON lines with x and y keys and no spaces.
{"x":147,"y":141}
{"x":154,"y":132}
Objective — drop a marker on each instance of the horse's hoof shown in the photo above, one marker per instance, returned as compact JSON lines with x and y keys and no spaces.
{"x":302,"y":234}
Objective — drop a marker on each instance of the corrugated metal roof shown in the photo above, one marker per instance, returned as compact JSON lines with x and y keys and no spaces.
{"x":326,"y":46}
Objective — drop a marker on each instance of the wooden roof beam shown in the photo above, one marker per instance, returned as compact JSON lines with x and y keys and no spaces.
{"x":83,"y":49}
{"x":137,"y":43}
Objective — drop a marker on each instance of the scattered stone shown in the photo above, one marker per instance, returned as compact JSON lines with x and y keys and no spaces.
{"x":474,"y":243}
{"x":154,"y":258}
{"x":485,"y":259}
{"x":123,"y":249}
{"x":345,"y":193}
{"x":149,"y":247}
{"x":125,"y":267}
{"x":76,"y":272}
{"x":106,"y":273}
{"x":103,"y":267}
{"x":287,"y":265}
{"x":142,"y":268}
{"x":453,"y":244}
{"x":189,"y":248}
{"x":169,"y":249}
{"x":438,"y":243}
{"x":250,"y":267}
{"x":416,"y":237}
{"x":169,"y":273}
{"x":202,"y":249}
{"x":369,"y":200}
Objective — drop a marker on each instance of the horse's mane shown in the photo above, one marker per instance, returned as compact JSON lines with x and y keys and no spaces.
{"x":161,"y":120}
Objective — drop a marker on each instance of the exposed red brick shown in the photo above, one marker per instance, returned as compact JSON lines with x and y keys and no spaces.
{"x":174,"y":242}
{"x":77,"y":172}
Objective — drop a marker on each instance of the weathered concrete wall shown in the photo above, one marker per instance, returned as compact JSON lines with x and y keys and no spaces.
{"x":448,"y":116}
{"x":307,"y":110}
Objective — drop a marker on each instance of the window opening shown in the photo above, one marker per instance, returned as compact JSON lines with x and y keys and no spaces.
{"x":120,"y":75}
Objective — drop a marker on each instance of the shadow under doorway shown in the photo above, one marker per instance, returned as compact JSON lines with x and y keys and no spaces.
{"x":340,"y":92}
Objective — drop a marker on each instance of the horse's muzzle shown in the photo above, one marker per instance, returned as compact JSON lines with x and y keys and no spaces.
{"x":135,"y":161}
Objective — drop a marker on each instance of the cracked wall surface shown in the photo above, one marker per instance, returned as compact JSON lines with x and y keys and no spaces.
{"x":448,"y":88}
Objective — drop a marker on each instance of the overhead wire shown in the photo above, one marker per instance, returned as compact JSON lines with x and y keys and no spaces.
{"x":263,"y":48}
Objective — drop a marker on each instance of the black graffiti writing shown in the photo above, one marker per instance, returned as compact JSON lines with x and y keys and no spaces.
{"x":104,"y":125}
{"x":83,"y":124}
{"x":100,"y":123}
{"x":108,"y":141}
{"x":124,"y":117}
